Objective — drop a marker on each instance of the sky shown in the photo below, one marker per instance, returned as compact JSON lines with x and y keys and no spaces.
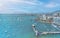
{"x":28,"y":6}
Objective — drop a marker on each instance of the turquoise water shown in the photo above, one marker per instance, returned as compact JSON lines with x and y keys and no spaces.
{"x":20,"y":26}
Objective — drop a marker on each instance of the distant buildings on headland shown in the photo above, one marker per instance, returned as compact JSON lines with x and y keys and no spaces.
{"x":50,"y":18}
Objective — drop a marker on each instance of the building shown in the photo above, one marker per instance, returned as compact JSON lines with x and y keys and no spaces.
{"x":56,"y":14}
{"x":44,"y":17}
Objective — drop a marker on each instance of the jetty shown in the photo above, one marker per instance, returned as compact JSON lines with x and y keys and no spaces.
{"x":56,"y":23}
{"x":57,"y":32}
{"x":50,"y":32}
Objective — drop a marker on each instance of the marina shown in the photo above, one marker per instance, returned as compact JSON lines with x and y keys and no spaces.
{"x":34,"y":29}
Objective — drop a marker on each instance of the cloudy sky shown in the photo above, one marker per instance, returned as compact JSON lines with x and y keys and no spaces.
{"x":29,"y":6}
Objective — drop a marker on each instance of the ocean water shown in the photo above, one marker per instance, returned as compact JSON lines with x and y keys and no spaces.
{"x":20,"y":26}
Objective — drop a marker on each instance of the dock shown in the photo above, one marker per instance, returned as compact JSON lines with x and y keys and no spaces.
{"x":57,"y":32}
{"x":50,"y":32}
{"x":56,"y":23}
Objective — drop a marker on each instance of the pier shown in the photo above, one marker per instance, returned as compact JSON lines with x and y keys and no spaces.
{"x":51,"y":32}
{"x":56,"y":23}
